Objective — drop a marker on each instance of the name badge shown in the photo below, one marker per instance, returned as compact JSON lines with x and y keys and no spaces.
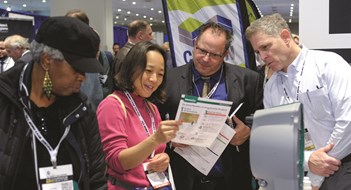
{"x":59,"y":178}
{"x":156,"y":179}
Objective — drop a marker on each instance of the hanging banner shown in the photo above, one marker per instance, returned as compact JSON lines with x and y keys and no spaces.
{"x":184,"y":18}
{"x":11,"y":26}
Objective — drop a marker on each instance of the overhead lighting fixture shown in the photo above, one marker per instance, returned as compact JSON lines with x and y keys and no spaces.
{"x":137,"y":14}
{"x":24,"y":5}
{"x":160,"y":12}
{"x":151,"y":18}
{"x":117,"y":17}
{"x":8,"y":9}
{"x":133,"y":2}
{"x":5,"y":2}
{"x":128,"y":12}
{"x":44,"y":1}
{"x":119,"y":10}
{"x":144,"y":16}
{"x":152,"y":9}
{"x":290,"y":20}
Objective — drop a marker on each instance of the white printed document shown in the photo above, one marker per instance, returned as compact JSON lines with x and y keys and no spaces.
{"x":204,"y":158}
{"x":202,"y":119}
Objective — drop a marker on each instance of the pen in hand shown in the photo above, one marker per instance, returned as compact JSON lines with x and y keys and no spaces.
{"x":236,"y":110}
{"x":167,"y":118}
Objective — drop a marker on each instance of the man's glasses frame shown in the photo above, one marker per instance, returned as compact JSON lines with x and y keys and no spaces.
{"x":203,"y":52}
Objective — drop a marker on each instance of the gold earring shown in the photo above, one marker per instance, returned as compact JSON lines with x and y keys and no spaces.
{"x":47,"y":84}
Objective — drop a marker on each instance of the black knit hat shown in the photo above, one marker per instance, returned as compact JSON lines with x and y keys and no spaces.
{"x":77,"y":41}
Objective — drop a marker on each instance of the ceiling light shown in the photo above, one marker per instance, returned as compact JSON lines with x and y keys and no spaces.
{"x":151,"y":24}
{"x":159,"y":11}
{"x":119,"y":10}
{"x":115,"y":22}
{"x":137,"y":14}
{"x":133,"y":2}
{"x":144,"y":16}
{"x":5,"y":2}
{"x":24,"y":5}
{"x":44,"y":1}
{"x":151,"y":18}
{"x":125,"y":19}
{"x":290,"y":20}
{"x":117,"y":17}
{"x":152,"y":9}
{"x":292,"y":4}
{"x":8,"y":9}
{"x":128,"y":12}
{"x":163,"y":21}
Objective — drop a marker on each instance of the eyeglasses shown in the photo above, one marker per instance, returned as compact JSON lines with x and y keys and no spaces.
{"x":203,"y":52}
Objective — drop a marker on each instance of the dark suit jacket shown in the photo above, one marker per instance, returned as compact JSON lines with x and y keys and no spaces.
{"x":25,"y":58}
{"x":243,"y":85}
{"x":121,"y":55}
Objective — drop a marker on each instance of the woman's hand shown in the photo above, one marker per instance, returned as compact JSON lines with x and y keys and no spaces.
{"x":166,"y":131}
{"x":159,"y":162}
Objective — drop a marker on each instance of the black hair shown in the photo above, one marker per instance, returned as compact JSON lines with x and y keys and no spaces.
{"x":134,"y":64}
{"x":217,"y":29}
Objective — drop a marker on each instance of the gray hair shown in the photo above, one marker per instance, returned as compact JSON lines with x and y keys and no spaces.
{"x":17,"y":41}
{"x":271,"y":25}
{"x":38,"y":48}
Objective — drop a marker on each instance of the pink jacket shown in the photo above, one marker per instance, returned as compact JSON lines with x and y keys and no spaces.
{"x":119,"y":131}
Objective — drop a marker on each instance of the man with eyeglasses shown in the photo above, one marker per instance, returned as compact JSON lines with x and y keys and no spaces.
{"x":227,"y":82}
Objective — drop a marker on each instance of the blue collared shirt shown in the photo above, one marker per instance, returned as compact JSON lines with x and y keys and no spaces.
{"x":221,"y":91}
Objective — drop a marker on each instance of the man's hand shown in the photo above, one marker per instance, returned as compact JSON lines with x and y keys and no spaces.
{"x":322,"y":164}
{"x":242,"y":132}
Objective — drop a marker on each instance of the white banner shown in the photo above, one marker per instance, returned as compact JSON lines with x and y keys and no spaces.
{"x":185,"y":18}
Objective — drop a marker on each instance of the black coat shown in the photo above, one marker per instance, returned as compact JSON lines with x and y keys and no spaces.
{"x":84,"y":136}
{"x":243,"y":85}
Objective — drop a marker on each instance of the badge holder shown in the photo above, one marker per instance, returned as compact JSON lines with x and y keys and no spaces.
{"x":156,"y":179}
{"x":56,"y":178}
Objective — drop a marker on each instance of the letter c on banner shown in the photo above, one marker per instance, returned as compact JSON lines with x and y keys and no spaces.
{"x":187,"y":56}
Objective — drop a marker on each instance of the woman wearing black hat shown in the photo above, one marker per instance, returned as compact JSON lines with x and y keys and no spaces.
{"x":49,"y":137}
